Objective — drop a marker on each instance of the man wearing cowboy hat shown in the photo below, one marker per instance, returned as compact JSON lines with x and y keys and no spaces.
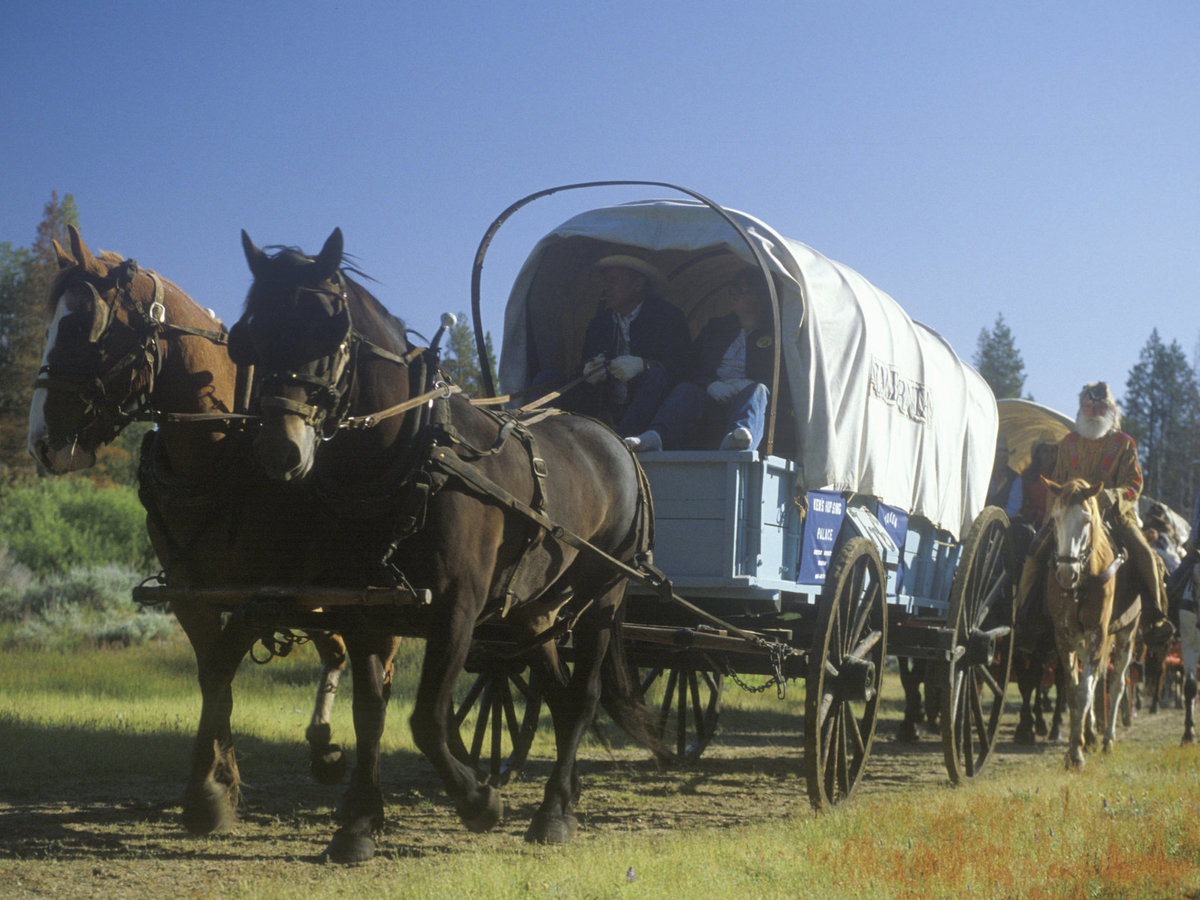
{"x":635,"y":348}
{"x":1099,"y":452}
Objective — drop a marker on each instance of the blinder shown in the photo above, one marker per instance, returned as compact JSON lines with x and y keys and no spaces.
{"x":109,"y":388}
{"x":101,"y":315}
{"x":326,"y":347}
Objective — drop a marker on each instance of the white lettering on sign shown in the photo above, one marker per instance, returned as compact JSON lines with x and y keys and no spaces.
{"x":891,"y":519}
{"x":824,"y":534}
{"x":826,"y":505}
{"x":907,"y":395}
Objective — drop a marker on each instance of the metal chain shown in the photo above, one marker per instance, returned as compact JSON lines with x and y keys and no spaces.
{"x":278,"y":645}
{"x":777,"y":653}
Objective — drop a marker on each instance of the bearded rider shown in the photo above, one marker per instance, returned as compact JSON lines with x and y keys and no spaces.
{"x":1099,"y":452}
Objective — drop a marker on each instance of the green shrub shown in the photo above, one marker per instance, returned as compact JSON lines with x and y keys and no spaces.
{"x":55,"y":524}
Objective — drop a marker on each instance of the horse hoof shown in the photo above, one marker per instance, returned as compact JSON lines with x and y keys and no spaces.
{"x":552,"y":829}
{"x":1189,"y":737}
{"x":1106,"y":747}
{"x":1039,"y":728}
{"x":484,"y":814}
{"x":209,"y":809}
{"x":907,"y":733}
{"x":329,"y":766}
{"x":1055,"y":735}
{"x":351,"y":846}
{"x":1075,"y":762}
{"x":1024,"y":736}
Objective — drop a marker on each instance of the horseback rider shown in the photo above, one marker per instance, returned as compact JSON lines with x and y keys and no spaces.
{"x":1099,"y":452}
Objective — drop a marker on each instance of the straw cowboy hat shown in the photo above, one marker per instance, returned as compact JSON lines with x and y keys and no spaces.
{"x":624,"y":261}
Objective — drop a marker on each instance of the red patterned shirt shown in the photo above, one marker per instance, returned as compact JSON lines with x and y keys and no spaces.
{"x":1112,"y":461}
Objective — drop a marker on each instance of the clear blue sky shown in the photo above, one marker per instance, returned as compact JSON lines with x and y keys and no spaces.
{"x":1038,"y":160}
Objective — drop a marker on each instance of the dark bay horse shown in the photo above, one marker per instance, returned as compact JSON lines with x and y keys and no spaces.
{"x":1092,"y":620}
{"x":488,"y":511}
{"x":125,"y":344}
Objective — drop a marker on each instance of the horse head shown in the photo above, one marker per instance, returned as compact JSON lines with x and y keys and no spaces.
{"x":105,"y":351}
{"x":1078,"y":529}
{"x":321,"y":346}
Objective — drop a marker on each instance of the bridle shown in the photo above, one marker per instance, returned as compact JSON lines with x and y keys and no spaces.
{"x":116,"y":393}
{"x":329,"y":386}
{"x":1077,"y":561}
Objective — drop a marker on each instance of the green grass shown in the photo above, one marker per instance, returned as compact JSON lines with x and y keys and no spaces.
{"x":122,"y":721}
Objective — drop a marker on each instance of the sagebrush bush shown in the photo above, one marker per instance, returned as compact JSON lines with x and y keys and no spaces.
{"x":85,"y":606}
{"x":55,"y":524}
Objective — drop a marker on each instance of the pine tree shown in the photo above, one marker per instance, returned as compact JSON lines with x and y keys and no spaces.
{"x":1161,"y":405}
{"x":999,"y":361}
{"x":25,"y":277}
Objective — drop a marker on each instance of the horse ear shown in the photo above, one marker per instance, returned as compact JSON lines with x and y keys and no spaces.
{"x":241,"y":345}
{"x":80,"y":251}
{"x":255,"y":258}
{"x":1053,"y":486}
{"x":65,"y":260}
{"x":330,"y":257}
{"x":1092,"y":491}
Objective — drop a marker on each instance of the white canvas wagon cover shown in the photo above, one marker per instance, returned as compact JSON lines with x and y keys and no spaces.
{"x":883,"y":405}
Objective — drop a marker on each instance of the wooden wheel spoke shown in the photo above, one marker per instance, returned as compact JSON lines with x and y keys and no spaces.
{"x":978,"y":598}
{"x":993,"y":685}
{"x":863,"y":647}
{"x":860,"y":746}
{"x":981,"y":720}
{"x":851,"y":626}
{"x":681,"y":713}
{"x":481,"y":724}
{"x":652,"y":675}
{"x":472,"y":695}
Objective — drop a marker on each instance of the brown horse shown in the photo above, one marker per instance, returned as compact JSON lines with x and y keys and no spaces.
{"x":501,"y":518}
{"x":125,"y":344}
{"x":1089,"y":624}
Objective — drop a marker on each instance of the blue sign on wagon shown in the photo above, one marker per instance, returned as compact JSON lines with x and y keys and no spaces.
{"x":895,"y":523}
{"x":826,"y":509}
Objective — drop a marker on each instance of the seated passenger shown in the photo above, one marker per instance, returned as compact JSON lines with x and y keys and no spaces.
{"x":1034,"y":494}
{"x":634,"y":349}
{"x":724,"y":403}
{"x":1004,"y":489}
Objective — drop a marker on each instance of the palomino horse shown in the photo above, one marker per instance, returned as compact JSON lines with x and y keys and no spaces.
{"x":515,"y":520}
{"x":1088,"y":625}
{"x":125,"y":344}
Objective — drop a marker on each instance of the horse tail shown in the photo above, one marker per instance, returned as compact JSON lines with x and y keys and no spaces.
{"x":619,"y":694}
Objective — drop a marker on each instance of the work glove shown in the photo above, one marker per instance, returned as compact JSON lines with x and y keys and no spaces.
{"x":721,"y":391}
{"x":594,"y":370}
{"x":623,"y":368}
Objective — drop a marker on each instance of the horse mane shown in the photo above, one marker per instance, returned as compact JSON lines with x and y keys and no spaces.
{"x":287,"y":264}
{"x":393,"y":325}
{"x":1072,"y":493}
{"x":111,"y":260}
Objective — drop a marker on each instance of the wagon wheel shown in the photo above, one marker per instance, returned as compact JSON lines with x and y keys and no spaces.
{"x":688,"y":702}
{"x":981,"y":615}
{"x":499,"y":707}
{"x":845,"y":671}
